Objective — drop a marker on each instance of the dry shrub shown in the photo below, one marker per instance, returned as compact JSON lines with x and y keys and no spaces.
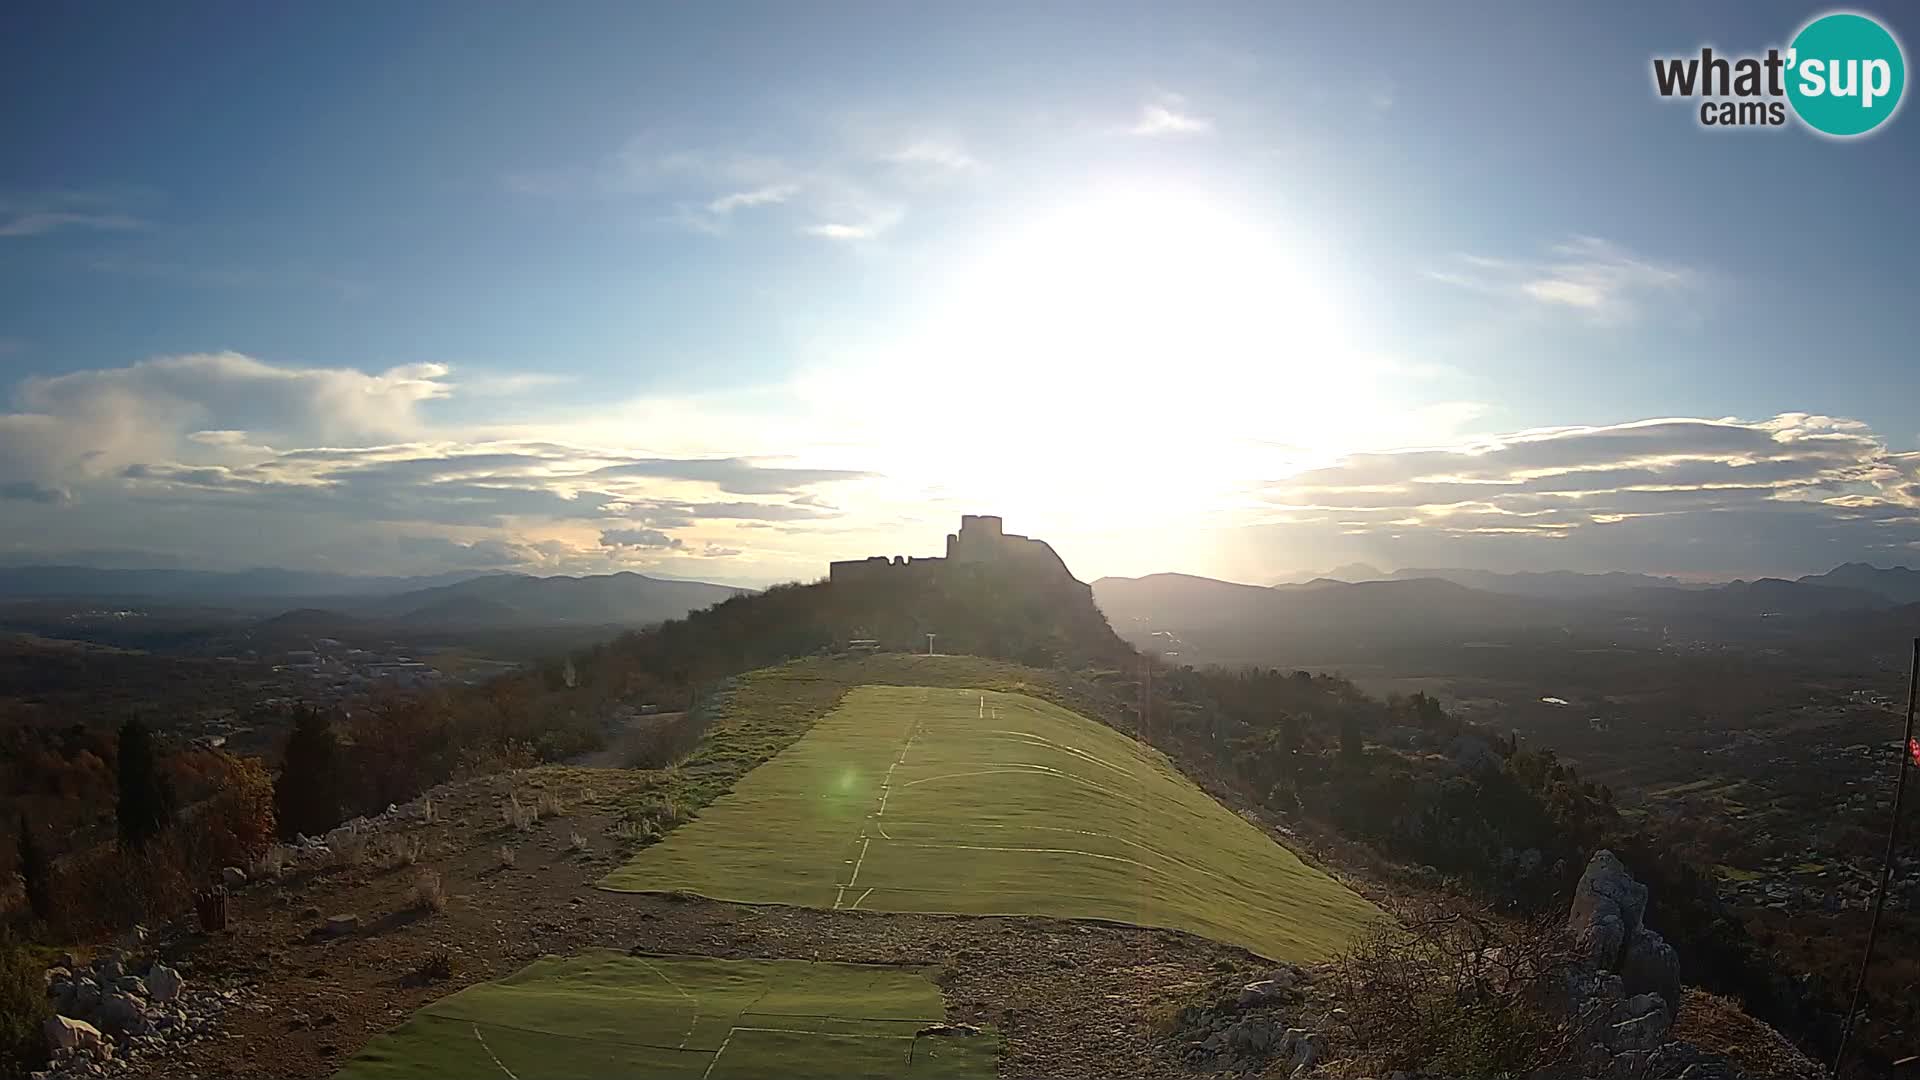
{"x":348,"y":850}
{"x":548,"y":805}
{"x":660,"y":744}
{"x":105,"y":889}
{"x":507,"y":855}
{"x":272,"y":862}
{"x":649,"y":820}
{"x":1458,"y":993}
{"x":517,"y":815}
{"x":577,"y":844}
{"x":427,"y":811}
{"x":429,"y":892}
{"x":405,"y":851}
{"x":438,"y":966}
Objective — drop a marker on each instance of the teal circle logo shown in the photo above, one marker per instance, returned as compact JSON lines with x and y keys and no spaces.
{"x":1845,"y":74}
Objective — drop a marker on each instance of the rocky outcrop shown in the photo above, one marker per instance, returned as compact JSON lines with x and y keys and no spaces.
{"x":1607,"y":920}
{"x":1625,"y":991}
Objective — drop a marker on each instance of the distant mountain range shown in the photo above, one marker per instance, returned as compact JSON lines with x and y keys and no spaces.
{"x":1330,"y":620}
{"x":201,"y":587}
{"x":624,"y":599}
{"x":320,"y":603}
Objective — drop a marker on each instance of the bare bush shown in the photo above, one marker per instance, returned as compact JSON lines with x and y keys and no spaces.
{"x":1459,"y":993}
{"x":507,"y":856}
{"x":577,"y":844}
{"x":427,"y":811}
{"x":517,"y":815}
{"x":429,"y":892}
{"x":272,"y":863}
{"x":347,"y":849}
{"x":405,"y":851}
{"x":549,"y":805}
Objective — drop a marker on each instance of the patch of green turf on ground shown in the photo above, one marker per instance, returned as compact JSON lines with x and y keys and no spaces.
{"x":982,"y":802}
{"x":756,"y":715}
{"x":603,"y":1014}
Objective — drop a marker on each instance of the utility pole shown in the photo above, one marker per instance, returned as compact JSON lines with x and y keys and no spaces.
{"x":930,"y":638}
{"x":1909,"y":755}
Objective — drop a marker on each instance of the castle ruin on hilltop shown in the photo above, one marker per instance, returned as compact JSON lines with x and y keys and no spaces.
{"x":981,"y":542}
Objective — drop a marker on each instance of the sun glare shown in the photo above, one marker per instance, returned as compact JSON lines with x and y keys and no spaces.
{"x":1142,"y":335}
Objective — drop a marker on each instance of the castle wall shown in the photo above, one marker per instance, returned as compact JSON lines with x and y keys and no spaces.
{"x":982,"y":540}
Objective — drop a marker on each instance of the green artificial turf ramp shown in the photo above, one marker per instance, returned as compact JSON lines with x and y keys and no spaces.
{"x":977,"y":802}
{"x":604,"y":1014}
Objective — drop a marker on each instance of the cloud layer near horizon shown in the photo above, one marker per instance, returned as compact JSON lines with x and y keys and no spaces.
{"x":226,"y":460}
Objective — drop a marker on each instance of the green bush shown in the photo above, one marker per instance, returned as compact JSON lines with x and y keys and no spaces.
{"x":23,"y":1008}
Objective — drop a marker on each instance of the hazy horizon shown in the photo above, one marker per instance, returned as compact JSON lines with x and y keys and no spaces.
{"x":726,"y":294}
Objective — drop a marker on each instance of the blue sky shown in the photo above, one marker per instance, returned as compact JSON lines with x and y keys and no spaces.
{"x":1167,"y":284}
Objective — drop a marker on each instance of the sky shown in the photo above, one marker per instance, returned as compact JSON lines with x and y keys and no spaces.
{"x":727,"y":291}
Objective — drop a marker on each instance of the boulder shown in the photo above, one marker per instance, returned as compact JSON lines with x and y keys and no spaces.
{"x":1308,"y":1049}
{"x":123,"y":1013}
{"x":86,"y":996}
{"x":345,"y":923}
{"x":164,"y":983}
{"x":1263,"y":992}
{"x":109,"y":966}
{"x":232,"y":877}
{"x":67,"y":1034}
{"x":1639,"y":1032}
{"x":1252,"y":1036}
{"x":1648,"y":965}
{"x":1608,"y":905}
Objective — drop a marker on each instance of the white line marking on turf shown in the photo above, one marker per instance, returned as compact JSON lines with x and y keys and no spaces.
{"x":823,"y":1034}
{"x":862,"y":900}
{"x":691,"y":1024}
{"x":717,"y":1053}
{"x":491,"y":1054}
{"x":886,"y":792}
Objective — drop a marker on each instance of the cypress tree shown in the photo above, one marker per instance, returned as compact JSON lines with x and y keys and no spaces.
{"x":306,"y":795}
{"x":145,"y":805}
{"x":35,"y":873}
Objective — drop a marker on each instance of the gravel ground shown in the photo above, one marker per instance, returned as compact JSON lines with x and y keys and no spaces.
{"x":1072,"y":999}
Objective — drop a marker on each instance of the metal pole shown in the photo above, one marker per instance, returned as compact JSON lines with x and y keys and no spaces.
{"x":1886,"y":870}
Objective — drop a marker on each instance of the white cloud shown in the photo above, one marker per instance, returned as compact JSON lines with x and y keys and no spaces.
{"x":1156,"y":120}
{"x":939,"y":153}
{"x":875,"y":223}
{"x":770,"y":195}
{"x":1586,"y":273}
{"x":38,"y":213}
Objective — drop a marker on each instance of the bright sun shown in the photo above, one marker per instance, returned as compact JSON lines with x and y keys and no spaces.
{"x":1131,"y":344}
{"x":1155,"y":324}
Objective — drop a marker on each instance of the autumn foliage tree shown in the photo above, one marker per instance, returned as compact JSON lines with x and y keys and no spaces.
{"x":240,"y":817}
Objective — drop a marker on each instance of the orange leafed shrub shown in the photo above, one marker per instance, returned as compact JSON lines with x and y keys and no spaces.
{"x":239,"y":818}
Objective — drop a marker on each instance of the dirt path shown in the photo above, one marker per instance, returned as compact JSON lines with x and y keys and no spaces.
{"x":1073,"y":1000}
{"x":623,"y":737}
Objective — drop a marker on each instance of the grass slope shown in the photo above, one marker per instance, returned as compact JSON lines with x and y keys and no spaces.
{"x":758,"y":714}
{"x":606,"y":1014}
{"x":970,"y":801}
